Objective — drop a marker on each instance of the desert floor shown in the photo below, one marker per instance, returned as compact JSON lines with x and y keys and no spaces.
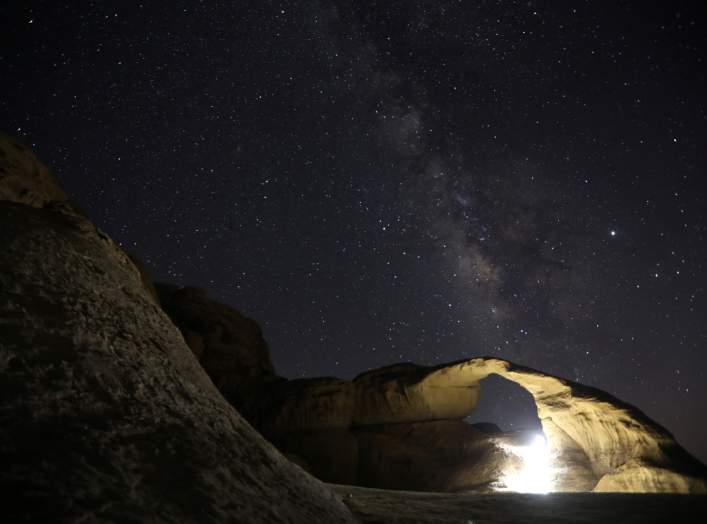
{"x":406,"y":507}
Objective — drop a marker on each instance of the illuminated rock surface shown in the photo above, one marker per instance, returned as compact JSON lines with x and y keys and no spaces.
{"x":105,"y":414}
{"x":410,"y":393}
{"x":625,"y":450}
{"x":596,"y":441}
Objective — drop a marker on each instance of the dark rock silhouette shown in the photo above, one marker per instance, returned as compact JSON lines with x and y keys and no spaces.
{"x":229,"y":346}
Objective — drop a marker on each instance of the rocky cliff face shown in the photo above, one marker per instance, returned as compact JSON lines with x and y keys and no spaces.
{"x":105,"y":413}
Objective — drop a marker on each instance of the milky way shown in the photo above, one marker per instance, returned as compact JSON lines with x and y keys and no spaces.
{"x":400,"y":181}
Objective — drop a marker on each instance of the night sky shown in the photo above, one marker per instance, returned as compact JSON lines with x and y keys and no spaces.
{"x":377,"y":182}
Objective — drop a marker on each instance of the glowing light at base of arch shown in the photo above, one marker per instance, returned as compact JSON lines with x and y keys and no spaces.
{"x":536,"y":471}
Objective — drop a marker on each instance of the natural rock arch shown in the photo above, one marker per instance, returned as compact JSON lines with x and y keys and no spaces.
{"x":594,"y":433}
{"x":415,"y":413}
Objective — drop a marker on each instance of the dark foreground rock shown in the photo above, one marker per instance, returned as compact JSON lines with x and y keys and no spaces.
{"x":105,"y":413}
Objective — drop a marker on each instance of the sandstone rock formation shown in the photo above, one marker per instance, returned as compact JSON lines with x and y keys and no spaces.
{"x":105,"y":413}
{"x":625,"y":449}
{"x":407,"y":427}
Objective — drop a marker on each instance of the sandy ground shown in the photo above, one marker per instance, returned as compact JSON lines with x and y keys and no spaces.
{"x":406,"y":507}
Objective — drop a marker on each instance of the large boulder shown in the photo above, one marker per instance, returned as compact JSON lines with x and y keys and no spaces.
{"x":105,"y":413}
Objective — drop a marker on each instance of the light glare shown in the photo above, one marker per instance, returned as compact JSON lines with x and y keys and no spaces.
{"x":536,"y":471}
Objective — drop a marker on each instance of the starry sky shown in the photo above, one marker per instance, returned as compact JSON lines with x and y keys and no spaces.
{"x":377,"y":182}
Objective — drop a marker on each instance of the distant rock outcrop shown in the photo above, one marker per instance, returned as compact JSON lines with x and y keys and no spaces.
{"x":105,"y":414}
{"x":229,"y":346}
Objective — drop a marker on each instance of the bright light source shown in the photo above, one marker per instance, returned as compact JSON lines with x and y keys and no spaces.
{"x":535,"y":472}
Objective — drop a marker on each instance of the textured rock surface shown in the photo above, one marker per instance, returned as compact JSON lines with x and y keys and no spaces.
{"x":105,"y":414}
{"x":411,"y":393}
{"x":390,"y":395}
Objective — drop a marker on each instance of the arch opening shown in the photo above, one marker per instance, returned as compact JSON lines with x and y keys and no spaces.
{"x":509,"y":410}
{"x":507,"y":405}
